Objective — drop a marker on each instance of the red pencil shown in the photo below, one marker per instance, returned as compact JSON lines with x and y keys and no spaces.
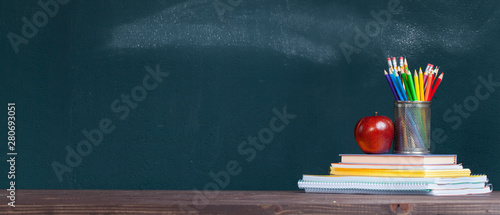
{"x":439,"y":79}
{"x":428,"y":87}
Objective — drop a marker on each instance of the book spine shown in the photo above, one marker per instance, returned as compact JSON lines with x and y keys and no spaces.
{"x":399,"y":173}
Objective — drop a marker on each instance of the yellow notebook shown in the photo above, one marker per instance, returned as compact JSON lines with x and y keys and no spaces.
{"x":400,"y":172}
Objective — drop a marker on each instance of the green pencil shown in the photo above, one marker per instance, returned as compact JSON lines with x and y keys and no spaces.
{"x":405,"y":81}
{"x":410,"y":80}
{"x":412,"y":85}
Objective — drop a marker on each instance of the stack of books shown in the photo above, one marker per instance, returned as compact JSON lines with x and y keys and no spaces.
{"x":397,"y":174}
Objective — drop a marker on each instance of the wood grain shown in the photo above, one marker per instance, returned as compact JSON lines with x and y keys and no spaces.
{"x":241,"y":202}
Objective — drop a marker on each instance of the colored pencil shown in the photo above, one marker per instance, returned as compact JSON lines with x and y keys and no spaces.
{"x":402,"y":81}
{"x":396,"y":76}
{"x":435,"y":75}
{"x":427,"y":68}
{"x":436,"y":85}
{"x":417,"y":86}
{"x":406,"y":65}
{"x":411,"y":85}
{"x":390,"y":85}
{"x":402,"y":71}
{"x":428,"y":74}
{"x":428,"y":87}
{"x":394,"y":64}
{"x":410,"y":80}
{"x":401,"y":77}
{"x":431,"y":80}
{"x":396,"y":86}
{"x":421,"y":86}
{"x":407,"y":85}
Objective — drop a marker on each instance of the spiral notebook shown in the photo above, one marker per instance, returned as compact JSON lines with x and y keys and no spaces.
{"x":475,"y":184}
{"x":485,"y":190}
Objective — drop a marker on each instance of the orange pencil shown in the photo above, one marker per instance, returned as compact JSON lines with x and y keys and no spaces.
{"x":428,"y":86}
{"x":436,"y":85}
{"x":435,"y":74}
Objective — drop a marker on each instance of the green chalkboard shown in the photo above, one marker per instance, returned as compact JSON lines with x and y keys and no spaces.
{"x":231,"y":94}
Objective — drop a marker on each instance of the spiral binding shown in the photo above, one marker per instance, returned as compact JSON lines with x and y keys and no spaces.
{"x":363,"y":185}
{"x":363,"y":191}
{"x":391,"y":188}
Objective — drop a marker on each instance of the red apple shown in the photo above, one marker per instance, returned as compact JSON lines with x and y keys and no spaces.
{"x":374,"y":134}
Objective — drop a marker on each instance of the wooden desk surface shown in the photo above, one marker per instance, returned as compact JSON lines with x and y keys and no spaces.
{"x":240,"y":202}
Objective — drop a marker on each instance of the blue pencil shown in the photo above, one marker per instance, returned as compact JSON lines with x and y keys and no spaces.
{"x":400,"y":87}
{"x":393,"y":79}
{"x":391,"y":85}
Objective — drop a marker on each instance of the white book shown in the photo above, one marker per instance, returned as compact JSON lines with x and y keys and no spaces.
{"x":369,"y":179}
{"x":475,"y":184}
{"x":485,"y":190}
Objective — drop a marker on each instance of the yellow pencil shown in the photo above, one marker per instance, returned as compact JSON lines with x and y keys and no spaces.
{"x":417,"y":85}
{"x":421,"y":82}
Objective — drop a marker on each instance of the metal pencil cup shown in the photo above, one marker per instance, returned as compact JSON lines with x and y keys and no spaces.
{"x":412,"y":125}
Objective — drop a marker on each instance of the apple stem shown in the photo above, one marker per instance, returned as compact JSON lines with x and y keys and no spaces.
{"x":375,"y":113}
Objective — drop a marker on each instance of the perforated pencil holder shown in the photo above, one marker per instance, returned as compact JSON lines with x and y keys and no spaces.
{"x":412,"y":125}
